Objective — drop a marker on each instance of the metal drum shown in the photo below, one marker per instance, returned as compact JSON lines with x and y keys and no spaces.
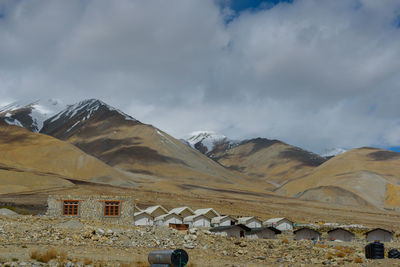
{"x":168,"y":258}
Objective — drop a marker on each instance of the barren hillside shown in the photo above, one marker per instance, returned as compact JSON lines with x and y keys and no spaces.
{"x":358,"y":176}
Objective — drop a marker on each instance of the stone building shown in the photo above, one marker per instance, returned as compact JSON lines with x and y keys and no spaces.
{"x":110,"y":209}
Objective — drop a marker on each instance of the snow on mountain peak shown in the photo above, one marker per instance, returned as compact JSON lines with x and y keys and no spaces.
{"x":331,"y":152}
{"x":87,"y":107}
{"x":30,"y":114}
{"x":207,"y":139}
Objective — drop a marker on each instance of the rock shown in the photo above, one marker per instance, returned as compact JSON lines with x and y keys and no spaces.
{"x":100,"y":231}
{"x":260,"y":257}
{"x":71,"y":224}
{"x":193,"y":230}
{"x":7,"y":212}
{"x":189,"y":246}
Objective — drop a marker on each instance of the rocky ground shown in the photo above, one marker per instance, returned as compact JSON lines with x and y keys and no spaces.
{"x":43,"y":241}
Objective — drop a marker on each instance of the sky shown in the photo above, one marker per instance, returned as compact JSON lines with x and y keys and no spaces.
{"x":313,"y":73}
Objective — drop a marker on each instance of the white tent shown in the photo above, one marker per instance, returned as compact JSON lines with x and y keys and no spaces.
{"x":282,"y":224}
{"x":143,"y":218}
{"x":197,"y":221}
{"x":251,"y":222}
{"x":166,"y":219}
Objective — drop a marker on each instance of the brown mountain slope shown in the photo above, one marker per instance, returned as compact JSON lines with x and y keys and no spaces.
{"x":141,"y":149}
{"x":370,"y":174}
{"x":31,"y":161}
{"x":269,"y":160}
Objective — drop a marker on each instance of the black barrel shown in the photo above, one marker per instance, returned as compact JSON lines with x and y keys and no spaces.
{"x":394,"y":254}
{"x":175,"y":258}
{"x":375,"y":250}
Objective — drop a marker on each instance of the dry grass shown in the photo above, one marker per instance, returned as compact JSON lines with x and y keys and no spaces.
{"x":45,"y":256}
{"x":285,"y":241}
{"x":358,"y":260}
{"x":136,"y":264}
{"x":340,"y":254}
{"x":329,"y":256}
{"x":87,"y":261}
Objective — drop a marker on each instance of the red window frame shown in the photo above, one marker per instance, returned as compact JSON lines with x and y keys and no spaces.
{"x":112,"y":208}
{"x":70,"y":207}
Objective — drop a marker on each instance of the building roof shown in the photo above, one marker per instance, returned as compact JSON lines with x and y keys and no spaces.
{"x":379,"y":229}
{"x":164,"y":216}
{"x":245,"y":219}
{"x":340,"y":229}
{"x":220,"y":218}
{"x":276,"y":220}
{"x":191,"y":218}
{"x":151,"y":209}
{"x":204,"y":211}
{"x":260,"y":229}
{"x":306,"y":228}
{"x":141,"y":212}
{"x":227,"y":227}
{"x":181,"y":209}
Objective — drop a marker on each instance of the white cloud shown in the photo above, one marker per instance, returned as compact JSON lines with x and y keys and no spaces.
{"x":313,"y":73}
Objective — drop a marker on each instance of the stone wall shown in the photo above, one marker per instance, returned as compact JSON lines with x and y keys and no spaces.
{"x":92,"y":207}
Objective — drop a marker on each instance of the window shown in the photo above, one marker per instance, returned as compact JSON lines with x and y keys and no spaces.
{"x":71,"y":207}
{"x":111,"y":208}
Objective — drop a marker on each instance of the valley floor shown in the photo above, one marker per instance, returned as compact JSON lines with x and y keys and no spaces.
{"x":43,"y":241}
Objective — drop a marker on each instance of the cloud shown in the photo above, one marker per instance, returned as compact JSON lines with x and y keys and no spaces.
{"x":316,"y":74}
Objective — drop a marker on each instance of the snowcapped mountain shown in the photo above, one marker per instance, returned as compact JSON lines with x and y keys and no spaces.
{"x":68,"y":119}
{"x":331,"y":152}
{"x":207,"y":142}
{"x":30,"y":115}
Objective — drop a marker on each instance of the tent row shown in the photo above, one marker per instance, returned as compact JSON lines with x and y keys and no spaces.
{"x":158,"y":215}
{"x":340,"y":234}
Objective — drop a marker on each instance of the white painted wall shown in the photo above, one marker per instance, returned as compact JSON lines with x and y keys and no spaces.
{"x":144,"y":219}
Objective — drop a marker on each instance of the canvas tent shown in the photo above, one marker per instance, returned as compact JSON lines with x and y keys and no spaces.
{"x":166,"y":219}
{"x":262,"y":233}
{"x":143,"y":218}
{"x":251,"y":222}
{"x":223,"y":221}
{"x":379,"y":234}
{"x":237,"y":230}
{"x":307,"y":233}
{"x":282,"y":224}
{"x":183,"y":211}
{"x":209,"y":212}
{"x":156,"y":211}
{"x":197,"y":221}
{"x":340,"y":234}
